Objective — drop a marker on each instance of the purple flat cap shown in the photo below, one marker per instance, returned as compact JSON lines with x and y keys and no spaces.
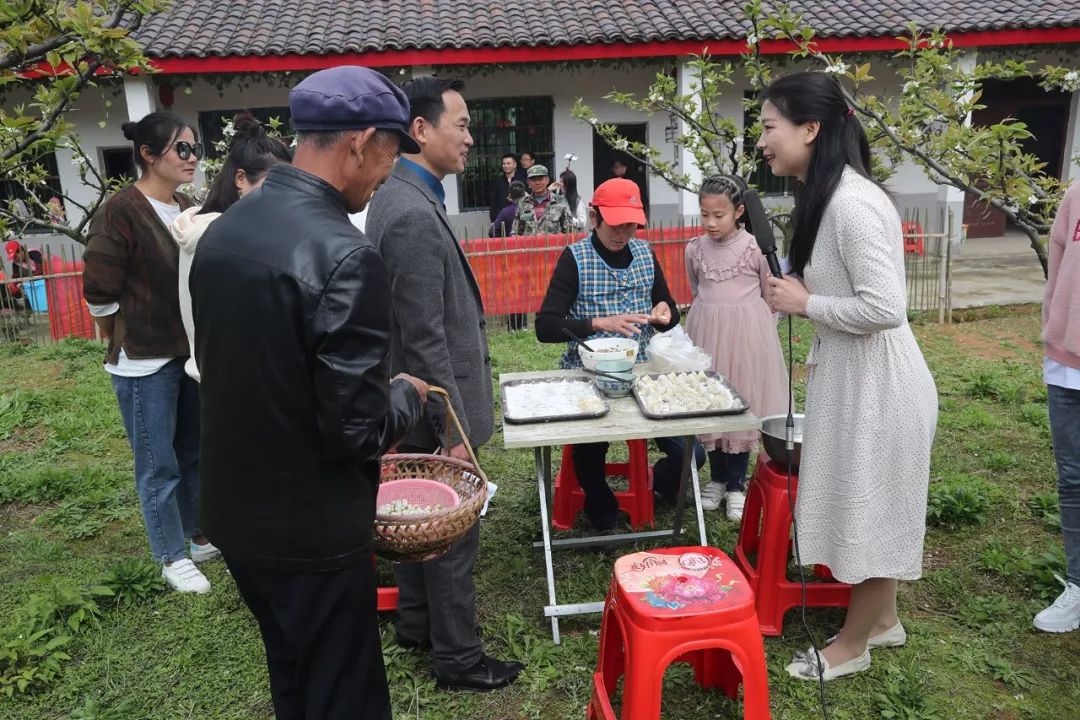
{"x":350,"y":97}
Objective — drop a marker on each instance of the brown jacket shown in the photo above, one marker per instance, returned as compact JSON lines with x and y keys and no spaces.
{"x":131,"y":259}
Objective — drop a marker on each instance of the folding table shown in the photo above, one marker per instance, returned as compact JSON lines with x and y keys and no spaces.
{"x":623,"y":422}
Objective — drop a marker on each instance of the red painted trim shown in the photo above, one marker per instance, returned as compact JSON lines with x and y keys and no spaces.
{"x":503,"y":55}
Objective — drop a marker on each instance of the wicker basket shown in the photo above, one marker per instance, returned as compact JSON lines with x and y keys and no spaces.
{"x":415,"y":539}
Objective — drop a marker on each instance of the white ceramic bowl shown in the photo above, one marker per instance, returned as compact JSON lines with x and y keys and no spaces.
{"x":608,"y":349}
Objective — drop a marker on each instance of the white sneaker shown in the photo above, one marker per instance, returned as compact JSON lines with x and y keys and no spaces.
{"x":735,"y":503}
{"x":712,"y":494}
{"x":1064,"y":614}
{"x":185,"y":577}
{"x":202,"y":553}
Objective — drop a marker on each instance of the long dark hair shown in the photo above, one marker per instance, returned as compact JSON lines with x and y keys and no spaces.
{"x":250,"y":150}
{"x":569,"y":185}
{"x":801,"y":98}
{"x":156,"y":131}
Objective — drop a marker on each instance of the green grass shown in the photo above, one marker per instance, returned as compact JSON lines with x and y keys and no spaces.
{"x":69,"y":521}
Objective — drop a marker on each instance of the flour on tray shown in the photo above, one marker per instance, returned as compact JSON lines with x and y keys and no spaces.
{"x":556,"y":398}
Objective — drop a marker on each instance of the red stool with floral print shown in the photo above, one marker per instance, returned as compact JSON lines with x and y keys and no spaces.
{"x":688,"y":604}
{"x":636,"y":501}
{"x":766,"y":533}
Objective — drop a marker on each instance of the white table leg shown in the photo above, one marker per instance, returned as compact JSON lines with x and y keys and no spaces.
{"x":543,"y":481}
{"x":697,"y":500}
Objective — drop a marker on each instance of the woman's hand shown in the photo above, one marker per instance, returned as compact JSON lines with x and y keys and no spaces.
{"x":627,"y":324}
{"x":788,"y":295}
{"x":661,"y":314}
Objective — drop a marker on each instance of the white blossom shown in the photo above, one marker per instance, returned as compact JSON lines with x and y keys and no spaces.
{"x":621,"y":144}
{"x":593,"y":121}
{"x":838,"y":68}
{"x":571,"y":157}
{"x":1071,"y":81}
{"x":751,"y":39}
{"x":911,"y":86}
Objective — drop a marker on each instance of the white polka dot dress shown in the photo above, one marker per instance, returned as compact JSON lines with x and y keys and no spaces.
{"x":871,"y":403}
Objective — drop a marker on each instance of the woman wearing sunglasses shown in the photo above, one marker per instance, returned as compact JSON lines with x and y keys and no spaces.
{"x":129,"y":282}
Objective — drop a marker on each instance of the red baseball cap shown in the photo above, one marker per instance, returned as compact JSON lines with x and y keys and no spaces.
{"x":12,"y":247}
{"x":619,"y":202}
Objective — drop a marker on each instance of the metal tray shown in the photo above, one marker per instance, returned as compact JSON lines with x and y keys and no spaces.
{"x":517,"y":420}
{"x":740,"y":407}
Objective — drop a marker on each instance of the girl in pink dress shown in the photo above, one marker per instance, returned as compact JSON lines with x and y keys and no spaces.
{"x":730,"y":320}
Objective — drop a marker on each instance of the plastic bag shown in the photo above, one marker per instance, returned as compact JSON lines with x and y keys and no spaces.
{"x":674,"y":351}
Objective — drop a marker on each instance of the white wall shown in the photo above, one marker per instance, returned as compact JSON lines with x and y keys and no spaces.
{"x":1071,"y":166}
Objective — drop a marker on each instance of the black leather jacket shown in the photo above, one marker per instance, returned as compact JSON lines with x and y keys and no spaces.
{"x":292,"y":336}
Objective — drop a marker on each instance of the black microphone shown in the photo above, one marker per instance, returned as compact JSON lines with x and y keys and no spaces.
{"x":762,"y":230}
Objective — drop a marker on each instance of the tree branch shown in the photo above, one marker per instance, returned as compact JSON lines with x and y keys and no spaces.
{"x":36,"y":53}
{"x":50,"y":120}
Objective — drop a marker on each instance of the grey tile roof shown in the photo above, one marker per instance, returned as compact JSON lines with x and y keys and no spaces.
{"x":202,"y":28}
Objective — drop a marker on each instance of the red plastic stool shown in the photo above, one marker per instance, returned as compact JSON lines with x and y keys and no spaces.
{"x":386,"y":597}
{"x":766,"y":531}
{"x":688,"y":604}
{"x":913,"y":238}
{"x":636,"y":500}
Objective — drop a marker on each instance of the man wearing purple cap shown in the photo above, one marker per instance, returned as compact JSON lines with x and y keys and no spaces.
{"x":292,"y":339}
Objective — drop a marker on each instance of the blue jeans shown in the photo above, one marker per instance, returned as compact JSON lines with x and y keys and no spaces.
{"x":729,"y":469}
{"x":1065,"y":430}
{"x":161,"y":417}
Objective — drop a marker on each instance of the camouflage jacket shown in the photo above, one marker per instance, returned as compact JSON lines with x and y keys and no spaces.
{"x":557,"y":217}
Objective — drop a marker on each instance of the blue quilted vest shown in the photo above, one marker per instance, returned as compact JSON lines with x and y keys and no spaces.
{"x":604,"y":290}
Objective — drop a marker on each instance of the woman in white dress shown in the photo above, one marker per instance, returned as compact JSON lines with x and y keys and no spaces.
{"x":871,"y":403}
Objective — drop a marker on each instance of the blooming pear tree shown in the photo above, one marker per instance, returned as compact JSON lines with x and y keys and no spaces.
{"x":50,"y":53}
{"x":927,"y":122}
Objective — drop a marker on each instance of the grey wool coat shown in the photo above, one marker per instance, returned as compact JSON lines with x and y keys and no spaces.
{"x":439,"y":331}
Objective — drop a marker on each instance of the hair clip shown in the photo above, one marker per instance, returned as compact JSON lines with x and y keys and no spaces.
{"x":850,"y":112}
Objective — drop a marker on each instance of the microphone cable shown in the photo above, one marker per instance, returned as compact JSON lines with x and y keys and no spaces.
{"x":789,"y":446}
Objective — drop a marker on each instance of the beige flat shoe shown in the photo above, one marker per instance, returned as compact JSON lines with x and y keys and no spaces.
{"x":895,"y":636}
{"x":805,"y":666}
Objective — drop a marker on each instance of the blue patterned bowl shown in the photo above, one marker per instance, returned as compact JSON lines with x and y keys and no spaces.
{"x":622,"y":369}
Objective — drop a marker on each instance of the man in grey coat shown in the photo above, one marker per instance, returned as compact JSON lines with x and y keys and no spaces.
{"x":439,"y":334}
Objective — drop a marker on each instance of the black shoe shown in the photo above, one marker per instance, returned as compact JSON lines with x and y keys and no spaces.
{"x":487,"y":674}
{"x":605,"y":523}
{"x":410,"y":644}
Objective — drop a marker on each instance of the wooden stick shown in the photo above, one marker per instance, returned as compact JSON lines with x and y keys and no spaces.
{"x":457,"y":423}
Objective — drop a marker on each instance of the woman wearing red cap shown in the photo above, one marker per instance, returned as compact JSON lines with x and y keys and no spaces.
{"x":23,"y":265}
{"x":609,"y":284}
